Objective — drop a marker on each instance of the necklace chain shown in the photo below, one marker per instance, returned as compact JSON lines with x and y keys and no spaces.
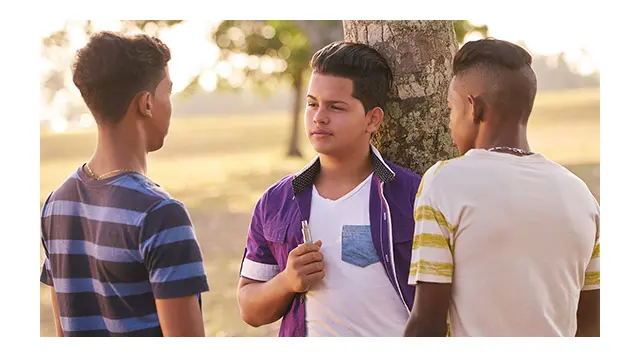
{"x":514,"y":150}
{"x":96,"y":177}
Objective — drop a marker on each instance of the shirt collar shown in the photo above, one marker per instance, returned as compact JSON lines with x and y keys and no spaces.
{"x":305,"y":177}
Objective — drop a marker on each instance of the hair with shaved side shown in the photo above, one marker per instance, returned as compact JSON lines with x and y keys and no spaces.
{"x":500,"y":73}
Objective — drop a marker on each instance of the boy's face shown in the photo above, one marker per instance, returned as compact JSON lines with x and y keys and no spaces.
{"x":160,"y":107}
{"x":335,"y":121}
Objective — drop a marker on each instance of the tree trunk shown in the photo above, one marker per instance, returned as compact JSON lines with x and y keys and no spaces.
{"x":294,"y":150}
{"x":415,"y":133}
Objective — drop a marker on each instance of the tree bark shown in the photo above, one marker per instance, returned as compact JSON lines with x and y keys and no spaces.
{"x":294,"y":149}
{"x":415,"y":133}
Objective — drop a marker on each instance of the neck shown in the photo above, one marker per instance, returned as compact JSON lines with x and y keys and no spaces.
{"x":351,"y":168}
{"x":118,"y":149}
{"x":513,"y":137}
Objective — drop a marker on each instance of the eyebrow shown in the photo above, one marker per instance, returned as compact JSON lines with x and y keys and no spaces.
{"x":309,"y":96}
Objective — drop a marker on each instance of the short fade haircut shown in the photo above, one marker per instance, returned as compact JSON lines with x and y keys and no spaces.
{"x":366,"y":67}
{"x":112,"y":68}
{"x":505,"y":68}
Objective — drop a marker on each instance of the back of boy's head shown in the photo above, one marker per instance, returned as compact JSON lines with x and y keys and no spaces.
{"x":500,"y":69}
{"x":366,"y":67}
{"x":113,"y":68}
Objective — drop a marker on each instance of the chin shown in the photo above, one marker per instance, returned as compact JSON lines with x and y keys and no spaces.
{"x":155,"y":146}
{"x":323,"y":147}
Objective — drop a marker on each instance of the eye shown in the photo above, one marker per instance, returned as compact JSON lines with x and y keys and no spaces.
{"x":336,"y":108}
{"x":313,"y":105}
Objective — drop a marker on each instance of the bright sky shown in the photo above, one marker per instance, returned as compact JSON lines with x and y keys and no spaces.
{"x":552,"y":37}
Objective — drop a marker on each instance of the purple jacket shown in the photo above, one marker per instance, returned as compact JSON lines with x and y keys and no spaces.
{"x":276,"y":229}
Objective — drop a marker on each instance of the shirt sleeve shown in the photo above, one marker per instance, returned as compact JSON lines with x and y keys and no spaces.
{"x":171,"y":252}
{"x":258,"y":262}
{"x":592,"y":273}
{"x":432,"y":252}
{"x":45,"y":276}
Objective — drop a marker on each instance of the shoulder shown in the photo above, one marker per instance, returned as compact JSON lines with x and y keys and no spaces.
{"x":277,"y":194}
{"x":166,"y":207}
{"x":281,"y":187}
{"x":403,"y":174}
{"x":440,"y":170}
{"x":405,"y":180}
{"x":145,"y":186}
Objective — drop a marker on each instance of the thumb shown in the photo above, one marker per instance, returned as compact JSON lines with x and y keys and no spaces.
{"x":318,"y":243}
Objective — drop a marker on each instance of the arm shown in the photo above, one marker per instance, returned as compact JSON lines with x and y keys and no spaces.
{"x":588,"y":315}
{"x":173,"y":259}
{"x":46,"y":277}
{"x":429,"y":313}
{"x":180,"y":316}
{"x":431,"y":265}
{"x":56,"y":314}
{"x":263,"y":303}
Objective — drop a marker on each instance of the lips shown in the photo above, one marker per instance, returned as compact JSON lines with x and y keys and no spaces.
{"x":319,"y":132}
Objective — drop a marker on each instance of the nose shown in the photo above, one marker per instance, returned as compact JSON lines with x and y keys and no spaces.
{"x":321,"y":117}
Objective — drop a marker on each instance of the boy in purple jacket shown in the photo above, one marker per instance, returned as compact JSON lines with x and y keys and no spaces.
{"x":329,"y":248}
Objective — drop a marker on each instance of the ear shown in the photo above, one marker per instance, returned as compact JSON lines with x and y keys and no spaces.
{"x":375,"y":117}
{"x":144,"y":104}
{"x":477,"y":108}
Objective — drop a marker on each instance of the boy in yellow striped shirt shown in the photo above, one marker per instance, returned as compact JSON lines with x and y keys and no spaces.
{"x":506,"y":241}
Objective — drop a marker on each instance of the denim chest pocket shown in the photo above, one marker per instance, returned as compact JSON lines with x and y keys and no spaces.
{"x":357,"y":246}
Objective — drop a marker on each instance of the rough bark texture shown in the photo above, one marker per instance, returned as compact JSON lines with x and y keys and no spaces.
{"x":415,"y":133}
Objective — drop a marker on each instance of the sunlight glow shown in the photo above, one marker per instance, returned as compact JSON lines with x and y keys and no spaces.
{"x":208,"y":80}
{"x":86,"y":120}
{"x":224,"y":69}
{"x":266,"y":65}
{"x":239,"y":60}
{"x":59,"y":125}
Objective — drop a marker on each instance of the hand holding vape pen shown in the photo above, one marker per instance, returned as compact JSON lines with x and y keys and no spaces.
{"x":306,"y":233}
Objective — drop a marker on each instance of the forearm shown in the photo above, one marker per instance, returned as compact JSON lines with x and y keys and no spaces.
{"x":263,"y":303}
{"x":419,"y":327}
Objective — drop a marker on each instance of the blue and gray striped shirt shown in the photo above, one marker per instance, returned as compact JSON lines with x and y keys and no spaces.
{"x":112,"y":247}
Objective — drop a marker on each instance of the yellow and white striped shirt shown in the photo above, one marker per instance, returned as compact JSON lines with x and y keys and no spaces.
{"x":518,"y":237}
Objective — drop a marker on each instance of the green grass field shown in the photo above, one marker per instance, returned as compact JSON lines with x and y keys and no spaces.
{"x":219,"y":167}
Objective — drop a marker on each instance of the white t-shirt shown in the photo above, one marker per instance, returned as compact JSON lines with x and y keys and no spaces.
{"x":518,"y":237}
{"x":355,"y":298}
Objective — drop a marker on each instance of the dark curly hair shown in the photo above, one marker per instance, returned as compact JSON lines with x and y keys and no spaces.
{"x":366,"y":67}
{"x":113,"y":68}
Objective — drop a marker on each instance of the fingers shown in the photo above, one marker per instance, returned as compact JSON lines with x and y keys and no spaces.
{"x":309,"y":258}
{"x":304,"y":249}
{"x":315,"y":277}
{"x":311,"y":268}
